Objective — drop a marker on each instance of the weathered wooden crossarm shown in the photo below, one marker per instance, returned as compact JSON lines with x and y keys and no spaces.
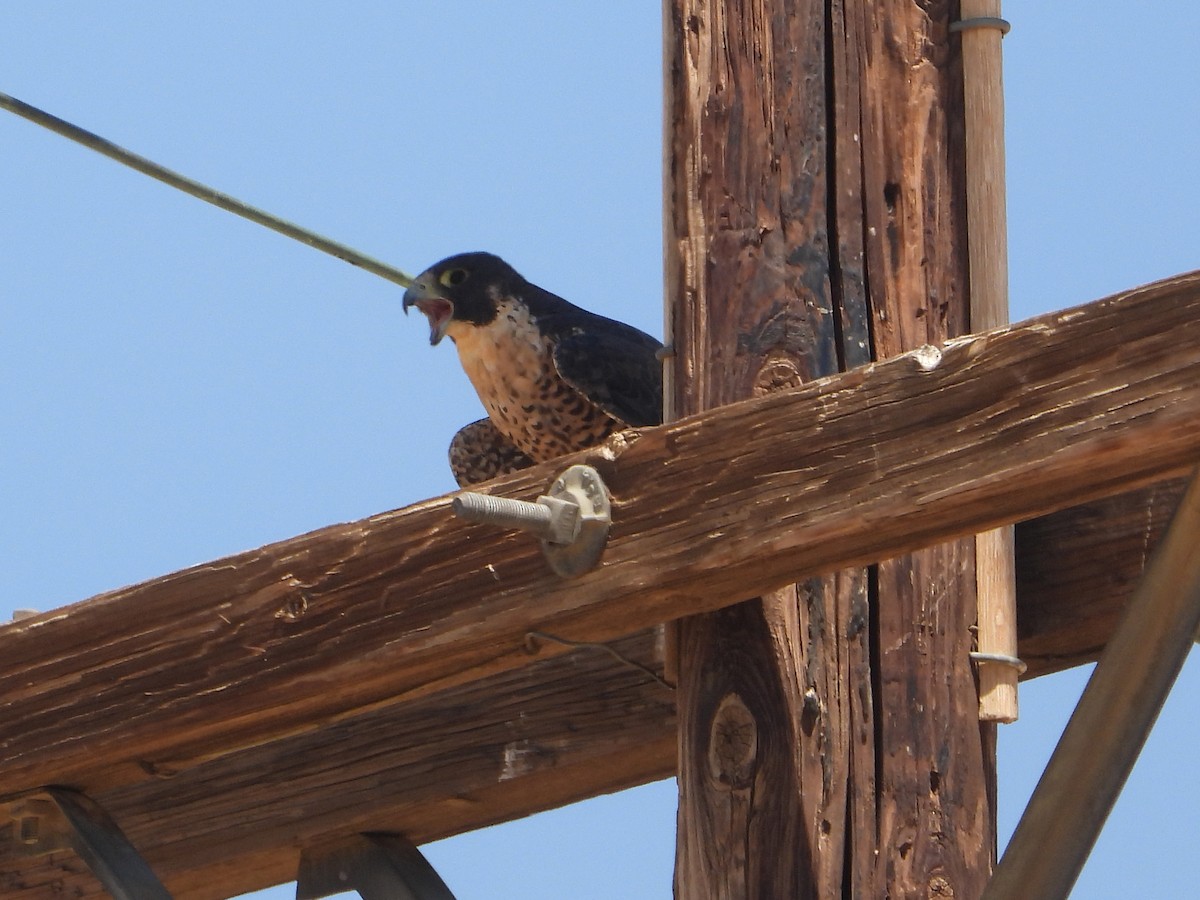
{"x":550,"y":733}
{"x":707,"y":511}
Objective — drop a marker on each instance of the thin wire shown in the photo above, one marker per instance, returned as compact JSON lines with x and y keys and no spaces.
{"x":202,"y":192}
{"x":532,"y":637}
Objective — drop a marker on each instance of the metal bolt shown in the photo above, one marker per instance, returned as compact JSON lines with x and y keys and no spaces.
{"x":572,"y":520}
{"x":1001,"y":659}
{"x":551,"y":519}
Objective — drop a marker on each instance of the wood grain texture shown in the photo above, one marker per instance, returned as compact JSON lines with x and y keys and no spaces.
{"x":549,"y":734}
{"x":764,"y":721}
{"x":387,"y":769}
{"x":847,"y":843}
{"x":983,"y":121}
{"x":934,"y":829}
{"x":707,"y":511}
{"x":1108,"y":727}
{"x":816,"y":221}
{"x":987,"y":242}
{"x":1077,"y":568}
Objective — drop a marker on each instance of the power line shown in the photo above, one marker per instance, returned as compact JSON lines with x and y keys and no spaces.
{"x":201,"y":191}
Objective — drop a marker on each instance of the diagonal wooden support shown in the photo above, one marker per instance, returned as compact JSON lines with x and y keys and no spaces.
{"x":1111,"y":722}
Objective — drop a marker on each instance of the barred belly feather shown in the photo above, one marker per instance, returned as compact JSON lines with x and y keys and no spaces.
{"x":510,"y":363}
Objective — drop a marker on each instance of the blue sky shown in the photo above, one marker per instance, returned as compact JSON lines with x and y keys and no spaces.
{"x":179,"y":384}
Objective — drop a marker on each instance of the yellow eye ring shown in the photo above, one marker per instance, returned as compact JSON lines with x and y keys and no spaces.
{"x":453,"y":277}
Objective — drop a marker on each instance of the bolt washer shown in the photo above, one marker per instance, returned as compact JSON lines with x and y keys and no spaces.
{"x":582,"y":486}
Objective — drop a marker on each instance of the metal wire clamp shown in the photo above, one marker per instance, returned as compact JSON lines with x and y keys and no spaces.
{"x":1002,"y":25}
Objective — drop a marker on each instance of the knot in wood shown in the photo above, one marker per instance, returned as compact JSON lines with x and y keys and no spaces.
{"x":810,"y":711}
{"x":940,"y":888}
{"x":778,"y":373}
{"x":928,"y":357}
{"x":733,"y":744}
{"x":293,"y":609}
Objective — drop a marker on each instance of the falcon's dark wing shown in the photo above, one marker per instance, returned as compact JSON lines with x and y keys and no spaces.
{"x":612,"y":364}
{"x":615,"y":369}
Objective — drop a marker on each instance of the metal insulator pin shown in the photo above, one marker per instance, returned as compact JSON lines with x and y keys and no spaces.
{"x":549,"y":518}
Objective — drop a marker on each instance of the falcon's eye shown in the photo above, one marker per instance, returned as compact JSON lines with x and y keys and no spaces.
{"x":453,"y":277}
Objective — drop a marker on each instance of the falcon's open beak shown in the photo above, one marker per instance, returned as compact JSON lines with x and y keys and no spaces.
{"x":438,"y":310}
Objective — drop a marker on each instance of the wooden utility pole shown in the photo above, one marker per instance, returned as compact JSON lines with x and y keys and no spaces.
{"x":815,"y":220}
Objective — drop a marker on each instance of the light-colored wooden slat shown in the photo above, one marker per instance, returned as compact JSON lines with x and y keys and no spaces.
{"x":707,"y":511}
{"x":987,"y":241}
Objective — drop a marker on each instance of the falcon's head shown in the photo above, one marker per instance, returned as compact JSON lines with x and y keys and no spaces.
{"x":464,"y":288}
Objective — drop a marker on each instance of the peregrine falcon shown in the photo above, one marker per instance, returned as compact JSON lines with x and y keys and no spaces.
{"x":554,"y":378}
